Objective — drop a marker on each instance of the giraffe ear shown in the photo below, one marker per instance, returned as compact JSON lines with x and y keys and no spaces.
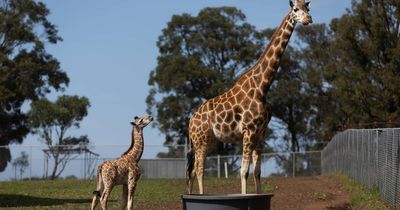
{"x":291,"y":3}
{"x":308,"y":4}
{"x":133,"y":122}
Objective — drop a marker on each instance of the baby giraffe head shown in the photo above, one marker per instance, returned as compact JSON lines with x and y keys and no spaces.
{"x":141,"y":122}
{"x":300,"y":11}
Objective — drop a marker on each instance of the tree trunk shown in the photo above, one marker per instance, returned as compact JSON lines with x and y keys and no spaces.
{"x":53,"y":174}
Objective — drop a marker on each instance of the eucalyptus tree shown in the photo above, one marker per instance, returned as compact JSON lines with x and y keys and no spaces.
{"x":27,"y":70}
{"x":52,"y":121}
{"x":353,"y":68}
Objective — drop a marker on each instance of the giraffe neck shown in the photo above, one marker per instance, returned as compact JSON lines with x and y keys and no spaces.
{"x":264,"y":71}
{"x":136,"y":150}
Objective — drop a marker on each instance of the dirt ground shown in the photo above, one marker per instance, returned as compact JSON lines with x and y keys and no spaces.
{"x":312,"y":193}
{"x":300,"y":193}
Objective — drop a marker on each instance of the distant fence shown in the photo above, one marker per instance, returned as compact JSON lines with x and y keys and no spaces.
{"x":370,"y":156}
{"x":272,"y":164}
{"x":165,"y":168}
{"x":84,"y":161}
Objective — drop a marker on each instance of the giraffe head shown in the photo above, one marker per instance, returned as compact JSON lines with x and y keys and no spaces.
{"x":300,"y":11}
{"x":141,"y":122}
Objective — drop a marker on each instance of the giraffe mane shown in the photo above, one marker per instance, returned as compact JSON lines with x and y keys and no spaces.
{"x":127,"y":151}
{"x":132,"y":142}
{"x":269,"y":45}
{"x":301,"y":3}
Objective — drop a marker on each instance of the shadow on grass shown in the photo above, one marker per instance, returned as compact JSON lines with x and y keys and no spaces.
{"x":7,"y":200}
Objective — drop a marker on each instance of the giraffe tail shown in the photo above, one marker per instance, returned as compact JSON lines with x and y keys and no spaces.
{"x":190,"y":157}
{"x":99,"y":182}
{"x":99,"y":187}
{"x":97,"y":193}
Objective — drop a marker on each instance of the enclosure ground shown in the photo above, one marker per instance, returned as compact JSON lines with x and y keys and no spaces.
{"x":323,"y":192}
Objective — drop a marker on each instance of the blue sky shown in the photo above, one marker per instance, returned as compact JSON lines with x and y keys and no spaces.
{"x":109,"y":49}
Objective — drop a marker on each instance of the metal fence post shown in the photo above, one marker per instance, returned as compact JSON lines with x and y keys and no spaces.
{"x":219,"y":166}
{"x":30,"y":163}
{"x":226,"y":169}
{"x":294,"y":165}
{"x":322,"y":162}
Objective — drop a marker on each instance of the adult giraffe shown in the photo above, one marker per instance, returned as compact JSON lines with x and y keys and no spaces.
{"x":242,"y":112}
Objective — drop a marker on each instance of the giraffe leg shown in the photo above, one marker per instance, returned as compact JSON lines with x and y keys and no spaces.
{"x":190,"y":182}
{"x":199,"y":168}
{"x":95,"y":201}
{"x":96,"y":197}
{"x":104,"y":196}
{"x":247,"y":149}
{"x":124,"y":197}
{"x":131,"y":191}
{"x":257,"y":169}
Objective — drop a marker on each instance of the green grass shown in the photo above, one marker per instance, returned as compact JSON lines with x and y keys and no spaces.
{"x":160,"y":194}
{"x":361,"y":198}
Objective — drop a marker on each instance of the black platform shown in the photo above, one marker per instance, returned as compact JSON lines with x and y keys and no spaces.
{"x":227,"y":202}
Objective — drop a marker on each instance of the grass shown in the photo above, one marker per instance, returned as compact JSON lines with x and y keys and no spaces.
{"x":361,"y":198}
{"x":160,"y":194}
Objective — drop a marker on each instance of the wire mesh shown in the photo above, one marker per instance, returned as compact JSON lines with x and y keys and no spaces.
{"x":307,"y":163}
{"x":84,"y":165}
{"x":370,"y":156}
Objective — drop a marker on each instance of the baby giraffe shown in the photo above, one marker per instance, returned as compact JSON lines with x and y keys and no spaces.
{"x":123,"y":171}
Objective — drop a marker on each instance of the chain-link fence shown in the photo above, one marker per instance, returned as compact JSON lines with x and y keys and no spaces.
{"x":75,"y":161}
{"x":157,"y":162}
{"x":370,"y":156}
{"x":272,"y":164}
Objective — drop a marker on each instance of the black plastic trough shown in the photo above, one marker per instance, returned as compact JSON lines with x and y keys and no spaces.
{"x":227,"y":202}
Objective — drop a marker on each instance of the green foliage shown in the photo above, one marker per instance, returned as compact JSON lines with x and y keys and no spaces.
{"x":51,"y":120}
{"x":353,"y":67}
{"x":200,"y":57}
{"x":65,"y":112}
{"x":291,"y":105}
{"x":27,"y":71}
{"x":342,"y":75}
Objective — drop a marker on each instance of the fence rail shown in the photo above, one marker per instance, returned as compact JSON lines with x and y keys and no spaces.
{"x":370,"y":156}
{"x":84,"y":161}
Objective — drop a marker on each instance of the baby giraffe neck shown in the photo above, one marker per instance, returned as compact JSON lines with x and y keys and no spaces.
{"x":136,"y":150}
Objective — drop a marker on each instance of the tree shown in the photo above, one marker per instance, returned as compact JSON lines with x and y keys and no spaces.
{"x":27,"y":71}
{"x":291,"y":107}
{"x":199,"y":58}
{"x":22,"y":163}
{"x":354,"y":68}
{"x":52,"y":120}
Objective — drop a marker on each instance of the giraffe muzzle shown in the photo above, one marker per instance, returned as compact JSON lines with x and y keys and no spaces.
{"x":308,"y":20}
